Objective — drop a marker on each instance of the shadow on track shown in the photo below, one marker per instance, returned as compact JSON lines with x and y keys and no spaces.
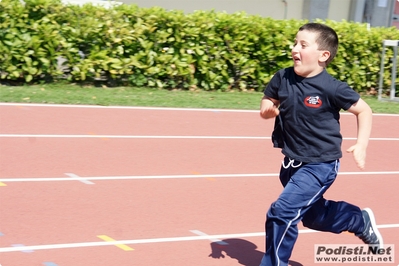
{"x":243,"y":251}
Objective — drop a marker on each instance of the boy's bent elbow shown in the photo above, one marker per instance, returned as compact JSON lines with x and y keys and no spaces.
{"x":268,"y":108}
{"x":361,"y":107}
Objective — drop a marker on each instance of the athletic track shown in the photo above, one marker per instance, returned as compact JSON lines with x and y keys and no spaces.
{"x":92,"y":186}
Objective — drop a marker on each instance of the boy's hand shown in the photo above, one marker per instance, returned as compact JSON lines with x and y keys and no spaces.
{"x":270,"y":113}
{"x":364,"y":119}
{"x":268,"y":108}
{"x":359,"y":154}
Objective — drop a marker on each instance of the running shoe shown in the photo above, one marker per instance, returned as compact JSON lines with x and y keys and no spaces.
{"x":370,"y":234}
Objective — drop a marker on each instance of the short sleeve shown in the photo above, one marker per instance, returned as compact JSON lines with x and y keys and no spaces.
{"x":273,"y":86}
{"x":345,"y":96}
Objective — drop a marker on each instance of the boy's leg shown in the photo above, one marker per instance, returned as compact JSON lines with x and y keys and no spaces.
{"x":335,"y":217}
{"x":306,"y":185}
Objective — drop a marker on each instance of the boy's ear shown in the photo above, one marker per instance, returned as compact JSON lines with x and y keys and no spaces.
{"x":324,"y":56}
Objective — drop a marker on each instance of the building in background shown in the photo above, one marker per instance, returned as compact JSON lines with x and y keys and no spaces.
{"x":378,"y":13}
{"x":395,"y":15}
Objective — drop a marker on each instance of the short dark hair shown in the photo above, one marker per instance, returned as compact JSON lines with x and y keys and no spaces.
{"x":327,"y":38}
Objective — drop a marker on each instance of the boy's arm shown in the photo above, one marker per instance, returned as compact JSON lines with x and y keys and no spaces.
{"x":269,"y":107}
{"x":363,"y":114}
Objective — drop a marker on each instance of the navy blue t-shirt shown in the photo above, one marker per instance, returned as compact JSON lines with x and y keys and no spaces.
{"x":309,"y":114}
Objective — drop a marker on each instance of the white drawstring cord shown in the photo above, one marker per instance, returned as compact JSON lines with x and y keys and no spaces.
{"x":291,"y":163}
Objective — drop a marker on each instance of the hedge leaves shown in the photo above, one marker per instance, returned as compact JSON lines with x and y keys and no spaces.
{"x":43,"y":40}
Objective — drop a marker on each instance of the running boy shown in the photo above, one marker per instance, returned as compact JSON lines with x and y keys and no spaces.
{"x":305,"y":102}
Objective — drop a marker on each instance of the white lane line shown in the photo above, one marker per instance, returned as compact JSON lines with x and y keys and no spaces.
{"x":21,"y":245}
{"x":44,"y":179}
{"x":154,"y":240}
{"x":129,"y":107}
{"x":76,"y":177}
{"x":151,"y":108}
{"x":127,"y":136}
{"x":48,"y":179}
{"x":212,"y":239}
{"x":156,"y":137}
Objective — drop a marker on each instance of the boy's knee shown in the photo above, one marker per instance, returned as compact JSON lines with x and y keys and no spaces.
{"x":279,"y":210}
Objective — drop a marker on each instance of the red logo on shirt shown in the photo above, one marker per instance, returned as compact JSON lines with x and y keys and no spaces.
{"x":313,"y":101}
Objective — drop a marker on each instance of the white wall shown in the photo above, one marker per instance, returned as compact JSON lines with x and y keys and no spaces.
{"x":339,"y":10}
{"x":267,"y":8}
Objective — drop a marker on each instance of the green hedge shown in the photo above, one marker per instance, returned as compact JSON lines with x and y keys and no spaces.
{"x":45,"y":40}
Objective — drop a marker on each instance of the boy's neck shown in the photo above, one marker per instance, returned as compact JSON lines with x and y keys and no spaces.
{"x":312,"y":74}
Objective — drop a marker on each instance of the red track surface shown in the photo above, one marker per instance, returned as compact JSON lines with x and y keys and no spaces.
{"x":221,"y":186}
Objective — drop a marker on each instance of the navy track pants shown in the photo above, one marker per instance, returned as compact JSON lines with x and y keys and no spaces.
{"x":302,"y":199}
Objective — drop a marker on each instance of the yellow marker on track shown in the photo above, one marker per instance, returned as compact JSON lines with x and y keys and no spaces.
{"x":108,"y":239}
{"x":2,"y":184}
{"x":207,"y":178}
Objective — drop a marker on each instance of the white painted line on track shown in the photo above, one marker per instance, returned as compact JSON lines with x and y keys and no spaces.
{"x":83,"y":180}
{"x":21,"y":245}
{"x":45,"y":179}
{"x":106,"y":178}
{"x":150,"y":108}
{"x":130,"y":107}
{"x":154,"y":240}
{"x":215,"y":240}
{"x":156,"y":137}
{"x":127,"y":136}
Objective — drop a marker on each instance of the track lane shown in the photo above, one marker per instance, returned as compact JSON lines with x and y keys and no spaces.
{"x":57,"y":212}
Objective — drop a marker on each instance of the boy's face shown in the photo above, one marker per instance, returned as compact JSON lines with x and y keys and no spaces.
{"x":308,"y":60}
